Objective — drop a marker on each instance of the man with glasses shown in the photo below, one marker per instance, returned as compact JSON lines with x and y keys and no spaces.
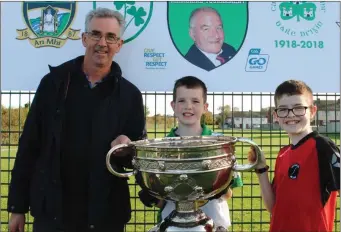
{"x":306,"y":180}
{"x":81,"y":109}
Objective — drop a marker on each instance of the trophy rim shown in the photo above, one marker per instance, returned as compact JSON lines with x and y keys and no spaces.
{"x":158,"y":143}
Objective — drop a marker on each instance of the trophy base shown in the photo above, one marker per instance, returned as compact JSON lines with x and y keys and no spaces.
{"x":192,"y":222}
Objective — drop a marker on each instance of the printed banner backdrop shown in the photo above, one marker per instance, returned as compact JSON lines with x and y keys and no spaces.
{"x":239,"y":46}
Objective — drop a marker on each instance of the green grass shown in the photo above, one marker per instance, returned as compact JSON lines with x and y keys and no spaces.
{"x":246,"y":209}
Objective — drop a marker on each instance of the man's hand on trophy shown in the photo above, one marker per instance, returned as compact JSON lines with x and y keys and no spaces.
{"x":124,"y":155}
{"x":252,"y":156}
{"x":122,"y":139}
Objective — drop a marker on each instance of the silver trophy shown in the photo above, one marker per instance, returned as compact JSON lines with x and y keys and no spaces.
{"x":188,"y":171}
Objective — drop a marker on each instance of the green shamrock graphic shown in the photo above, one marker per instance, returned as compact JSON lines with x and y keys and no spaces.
{"x":137,"y":14}
{"x":129,"y":9}
{"x":305,"y":10}
{"x":119,"y":5}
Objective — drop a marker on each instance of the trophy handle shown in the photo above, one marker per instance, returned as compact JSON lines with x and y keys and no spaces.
{"x":115,"y":173}
{"x":250,"y":166}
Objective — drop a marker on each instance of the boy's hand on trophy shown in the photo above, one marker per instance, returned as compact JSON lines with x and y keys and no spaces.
{"x":228,"y":194}
{"x":252,"y":157}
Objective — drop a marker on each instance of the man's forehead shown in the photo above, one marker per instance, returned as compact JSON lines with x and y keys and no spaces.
{"x":207,"y":15}
{"x":105,"y":25}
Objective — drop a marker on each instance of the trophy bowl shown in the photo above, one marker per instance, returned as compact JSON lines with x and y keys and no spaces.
{"x":185,"y":170}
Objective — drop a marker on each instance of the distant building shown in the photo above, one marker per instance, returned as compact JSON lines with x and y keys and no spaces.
{"x":327,"y":119}
{"x":328,"y":112}
{"x":245,"y":123}
{"x":246,"y":120}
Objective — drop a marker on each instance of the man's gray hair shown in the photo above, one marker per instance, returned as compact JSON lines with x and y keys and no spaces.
{"x":201,"y":9}
{"x":105,"y":13}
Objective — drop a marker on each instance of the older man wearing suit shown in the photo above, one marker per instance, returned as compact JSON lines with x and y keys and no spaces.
{"x":209,"y":50}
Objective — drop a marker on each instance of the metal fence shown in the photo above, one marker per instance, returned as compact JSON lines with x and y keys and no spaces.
{"x":237,"y":114}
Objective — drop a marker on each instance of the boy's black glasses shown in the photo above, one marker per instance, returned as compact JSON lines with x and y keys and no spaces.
{"x":297,"y":111}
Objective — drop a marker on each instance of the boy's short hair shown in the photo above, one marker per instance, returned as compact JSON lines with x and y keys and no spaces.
{"x":293,"y":87}
{"x":190,"y":82}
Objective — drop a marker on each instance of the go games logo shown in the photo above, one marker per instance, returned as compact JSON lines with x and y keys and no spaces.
{"x":256,"y":62}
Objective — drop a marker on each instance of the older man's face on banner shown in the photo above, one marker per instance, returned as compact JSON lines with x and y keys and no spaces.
{"x":208,"y":33}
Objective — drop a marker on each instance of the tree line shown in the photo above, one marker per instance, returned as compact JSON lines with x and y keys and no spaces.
{"x":208,"y":118}
{"x":12,"y":123}
{"x":13,"y":119}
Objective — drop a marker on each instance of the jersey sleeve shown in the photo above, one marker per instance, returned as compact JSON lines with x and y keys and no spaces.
{"x":329,"y":166}
{"x":274,"y":183}
{"x":329,"y":161}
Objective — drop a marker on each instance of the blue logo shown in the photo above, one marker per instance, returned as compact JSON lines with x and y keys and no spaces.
{"x":154,"y":59}
{"x":256,"y":62}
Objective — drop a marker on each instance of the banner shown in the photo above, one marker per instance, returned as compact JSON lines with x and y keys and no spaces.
{"x":231,"y":46}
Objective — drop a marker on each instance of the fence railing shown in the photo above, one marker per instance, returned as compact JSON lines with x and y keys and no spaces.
{"x":237,"y":114}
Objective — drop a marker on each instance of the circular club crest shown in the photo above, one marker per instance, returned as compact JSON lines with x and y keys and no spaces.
{"x":294,"y":171}
{"x":48,"y":23}
{"x":208,"y":34}
{"x":299,"y":18}
{"x":136,"y":15}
